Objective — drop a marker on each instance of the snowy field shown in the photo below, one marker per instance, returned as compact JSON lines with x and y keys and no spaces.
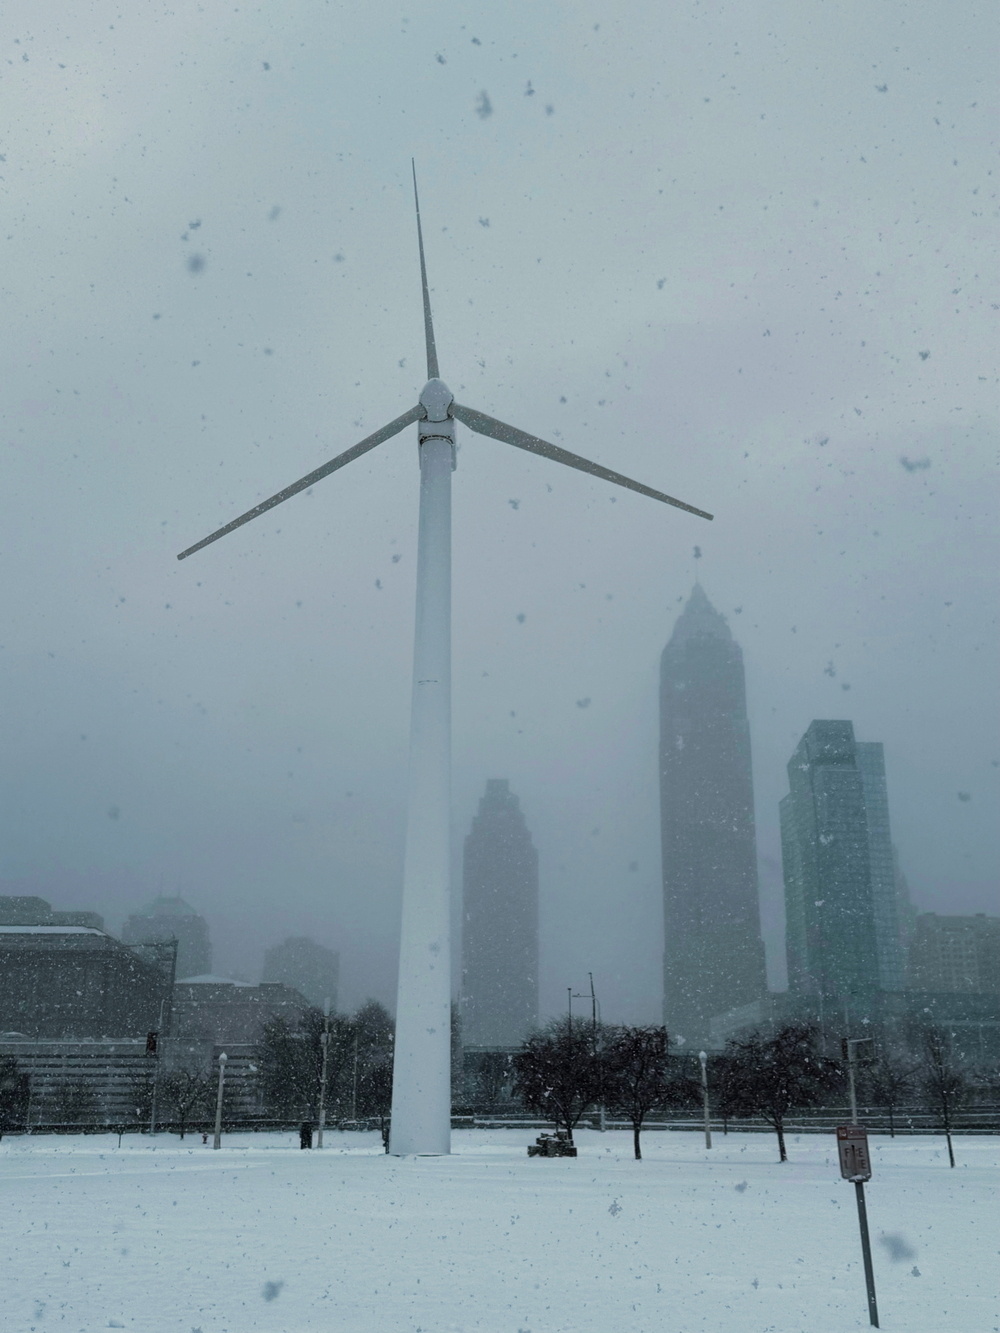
{"x":156,"y":1235}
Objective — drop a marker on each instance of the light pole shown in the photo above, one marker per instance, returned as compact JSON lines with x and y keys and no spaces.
{"x":703,"y":1059}
{"x":217,"y":1141}
{"x":821,"y":969}
{"x":354,"y":1085}
{"x":849,"y":1053}
{"x":594,"y":1008}
{"x":325,"y":1043}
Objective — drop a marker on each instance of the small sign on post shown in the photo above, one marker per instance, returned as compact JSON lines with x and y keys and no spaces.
{"x":856,"y":1166}
{"x":852,"y":1144}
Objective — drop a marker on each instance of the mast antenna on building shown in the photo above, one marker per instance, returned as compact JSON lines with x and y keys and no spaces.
{"x":421,"y":1096}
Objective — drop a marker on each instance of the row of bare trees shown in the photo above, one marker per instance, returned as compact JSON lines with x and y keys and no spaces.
{"x":569,"y":1069}
{"x":289,"y":1065}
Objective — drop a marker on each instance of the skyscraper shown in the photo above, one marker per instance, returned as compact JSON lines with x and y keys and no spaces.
{"x":826,"y":851}
{"x":886,"y":889}
{"x":171,"y":918}
{"x":713,"y":958}
{"x":499,"y":923}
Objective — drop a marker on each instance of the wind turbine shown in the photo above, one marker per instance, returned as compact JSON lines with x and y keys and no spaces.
{"x":421,"y":1083}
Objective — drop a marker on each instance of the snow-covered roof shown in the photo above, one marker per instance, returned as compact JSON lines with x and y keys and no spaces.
{"x":50,"y":930}
{"x":208,"y":980}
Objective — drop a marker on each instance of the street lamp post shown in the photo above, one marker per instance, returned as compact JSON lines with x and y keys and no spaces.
{"x":850,"y":1045}
{"x":217,"y":1141}
{"x":703,"y":1059}
{"x":325,"y":1043}
{"x":594,"y":1007}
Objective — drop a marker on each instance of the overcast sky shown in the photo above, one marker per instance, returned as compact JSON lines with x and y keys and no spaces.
{"x":745,"y":254}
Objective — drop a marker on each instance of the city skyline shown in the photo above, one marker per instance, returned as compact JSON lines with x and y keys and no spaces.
{"x":780,"y":303}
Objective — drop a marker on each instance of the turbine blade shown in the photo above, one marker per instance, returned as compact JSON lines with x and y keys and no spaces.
{"x":349,"y":455}
{"x":499,"y":430}
{"x":432,"y":356}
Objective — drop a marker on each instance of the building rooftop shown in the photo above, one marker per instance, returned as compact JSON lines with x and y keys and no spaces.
{"x":699,"y":618}
{"x":206,"y":979}
{"x":168,"y":906}
{"x":51,"y":930}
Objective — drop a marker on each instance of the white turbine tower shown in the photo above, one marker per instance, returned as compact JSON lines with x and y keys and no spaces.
{"x":421,"y":1081}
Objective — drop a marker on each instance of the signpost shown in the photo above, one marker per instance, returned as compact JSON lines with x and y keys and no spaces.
{"x":856,"y":1165}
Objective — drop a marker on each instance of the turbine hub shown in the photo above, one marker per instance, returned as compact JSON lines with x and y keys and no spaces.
{"x":436,"y":399}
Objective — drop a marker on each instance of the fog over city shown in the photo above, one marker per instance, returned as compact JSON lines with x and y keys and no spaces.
{"x":745,"y":255}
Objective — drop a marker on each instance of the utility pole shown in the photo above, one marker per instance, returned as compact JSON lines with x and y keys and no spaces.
{"x":594,"y":1009}
{"x":703,"y":1059}
{"x":354,"y":1082}
{"x":324,"y":1038}
{"x":217,"y":1141}
{"x":161,"y":1031}
{"x":157,"y":1043}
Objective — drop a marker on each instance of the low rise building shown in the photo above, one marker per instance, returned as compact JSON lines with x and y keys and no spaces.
{"x":960,"y":954}
{"x":219,"y":1010}
{"x":70,"y":982}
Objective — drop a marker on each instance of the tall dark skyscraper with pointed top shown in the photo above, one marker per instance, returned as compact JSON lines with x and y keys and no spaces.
{"x":499,"y":923}
{"x":713,"y":959}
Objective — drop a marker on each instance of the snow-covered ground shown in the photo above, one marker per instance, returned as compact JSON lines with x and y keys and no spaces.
{"x":156,"y":1235}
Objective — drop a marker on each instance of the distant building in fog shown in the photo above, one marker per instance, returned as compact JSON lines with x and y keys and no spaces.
{"x":169,"y":918}
{"x":956,"y":954}
{"x":20,"y":910}
{"x":499,"y":923}
{"x":307,"y":967}
{"x":713,"y":958}
{"x":831,"y":933}
{"x":219,"y":1011}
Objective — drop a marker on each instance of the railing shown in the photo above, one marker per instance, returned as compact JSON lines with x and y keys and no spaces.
{"x":906,"y":1120}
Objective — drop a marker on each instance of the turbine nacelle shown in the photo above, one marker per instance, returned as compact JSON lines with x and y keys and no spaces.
{"x":436,"y":401}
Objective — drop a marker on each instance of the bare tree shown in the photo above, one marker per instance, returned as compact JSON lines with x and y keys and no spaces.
{"x":638,"y":1074}
{"x":942,"y":1081}
{"x":185,"y":1092}
{"x":140,"y":1088}
{"x":74,"y":1103}
{"x":15,"y":1094}
{"x":888,"y":1082}
{"x":457,"y":1057}
{"x":557,"y":1073}
{"x":288,"y":1061}
{"x":491,"y":1077}
{"x":723,"y":1075}
{"x":768,"y":1076}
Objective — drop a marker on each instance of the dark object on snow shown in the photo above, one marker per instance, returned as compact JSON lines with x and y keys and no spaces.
{"x":306,"y":1134}
{"x":552,"y":1145}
